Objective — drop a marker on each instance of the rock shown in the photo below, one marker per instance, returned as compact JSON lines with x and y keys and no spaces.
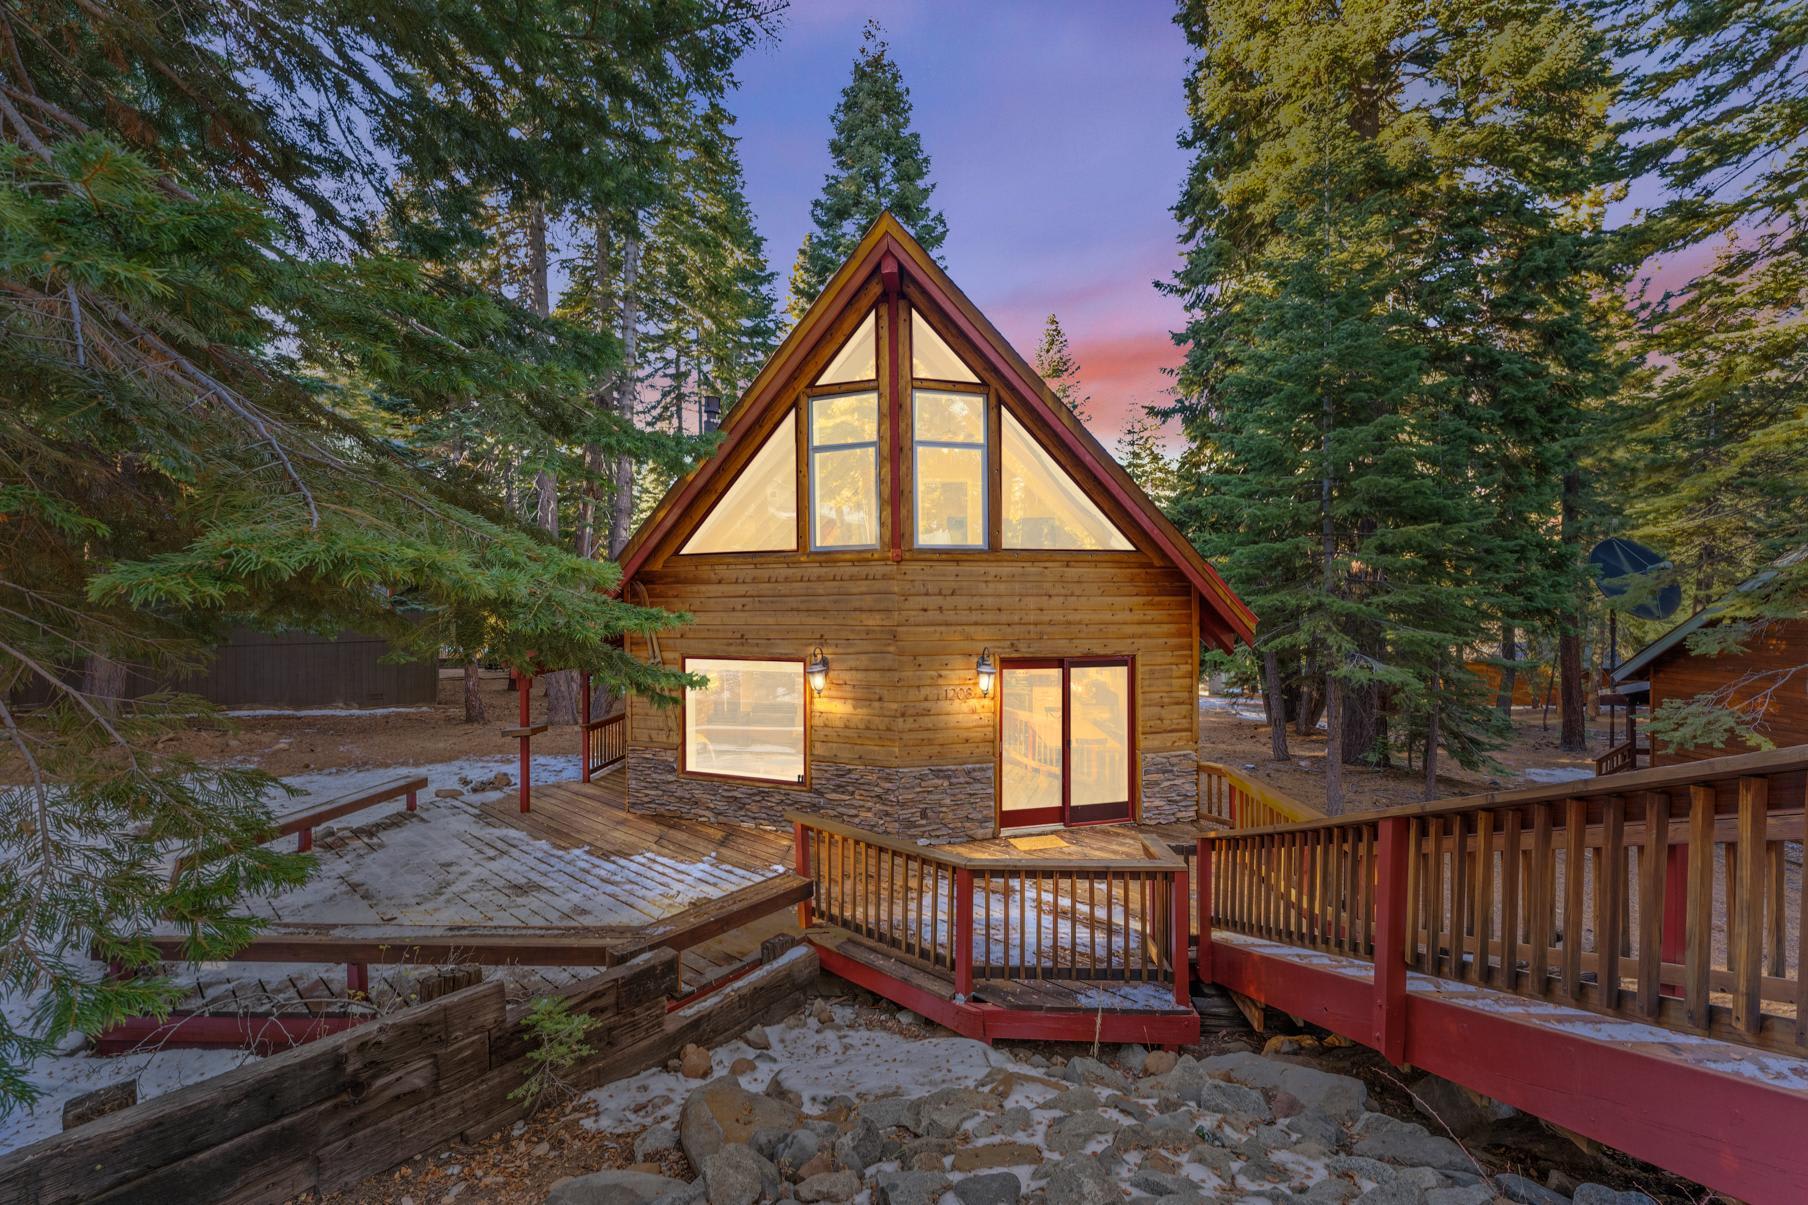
{"x":1286,"y":1104}
{"x":758,"y":1038}
{"x":823,"y":1163}
{"x":1600,"y":1194}
{"x":1069,"y":1135}
{"x":1094,"y":1074}
{"x":653,"y":1140}
{"x":736,"y":1175}
{"x":1362,"y":1168}
{"x":1426,"y":1178}
{"x":1315,"y":1126}
{"x":837,"y":1186}
{"x":1341,"y":1096}
{"x":1526,"y":1192}
{"x":1470,"y":1194}
{"x":722,"y":1112}
{"x":1394,"y":1193}
{"x":997,"y":1154}
{"x":1393,"y":1141}
{"x":906,"y":1017}
{"x":823,"y":1013}
{"x":796,"y":1149}
{"x":1463,"y":1111}
{"x":889,"y":1112}
{"x":1014,"y":1120}
{"x":447,"y":793}
{"x":777,"y":1090}
{"x":741,"y":1067}
{"x":766,"y":1139}
{"x":861,"y":1146}
{"x":1131,"y":1058}
{"x":1074,"y":1100}
{"x":1080,"y":1180}
{"x":909,"y":1188}
{"x":694,"y":1062}
{"x":1215,"y":1096}
{"x":612,"y":1188}
{"x":992,"y":1188}
{"x":1159,"y":1062}
{"x":1159,"y":1184}
{"x":1330,"y":1191}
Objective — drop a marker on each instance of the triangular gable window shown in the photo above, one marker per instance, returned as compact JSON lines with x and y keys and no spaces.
{"x":759,"y":511}
{"x":858,"y":359}
{"x":1043,"y":506}
{"x":930,"y":356}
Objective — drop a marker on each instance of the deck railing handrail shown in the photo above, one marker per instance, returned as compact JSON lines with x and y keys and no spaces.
{"x":603,"y":743}
{"x":1556,"y":892}
{"x":1155,"y":854}
{"x":1248,"y":802}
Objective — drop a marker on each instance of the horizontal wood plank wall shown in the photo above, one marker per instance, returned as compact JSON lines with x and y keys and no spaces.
{"x":324,"y":1116}
{"x":1682,"y":675}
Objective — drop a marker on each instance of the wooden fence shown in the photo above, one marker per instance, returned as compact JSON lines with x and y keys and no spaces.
{"x":605,"y":743}
{"x":1672,"y":896}
{"x":324,"y":1116}
{"x":1076,"y":919}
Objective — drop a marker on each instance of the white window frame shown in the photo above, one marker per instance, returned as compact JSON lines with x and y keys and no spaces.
{"x":985,"y":470}
{"x":812,"y":448}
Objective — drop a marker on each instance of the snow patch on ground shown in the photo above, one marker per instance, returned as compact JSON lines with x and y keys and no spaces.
{"x":1557,"y":774}
{"x":252,"y":713}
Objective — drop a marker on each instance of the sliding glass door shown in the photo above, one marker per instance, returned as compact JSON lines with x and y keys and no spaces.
{"x":1066,"y":741}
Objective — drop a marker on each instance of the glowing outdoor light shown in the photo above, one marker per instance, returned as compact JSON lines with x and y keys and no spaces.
{"x":818,"y":670}
{"x":987,"y":670}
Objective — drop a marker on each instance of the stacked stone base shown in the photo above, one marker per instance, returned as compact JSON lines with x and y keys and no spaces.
{"x":929,"y":803}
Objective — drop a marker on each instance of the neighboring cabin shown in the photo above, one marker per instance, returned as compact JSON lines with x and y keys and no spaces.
{"x":1011,"y":629}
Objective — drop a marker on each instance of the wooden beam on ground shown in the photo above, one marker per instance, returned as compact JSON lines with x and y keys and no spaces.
{"x":712,"y":918}
{"x":429,"y":945}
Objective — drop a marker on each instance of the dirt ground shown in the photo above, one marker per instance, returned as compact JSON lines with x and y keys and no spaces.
{"x":1243,"y":744}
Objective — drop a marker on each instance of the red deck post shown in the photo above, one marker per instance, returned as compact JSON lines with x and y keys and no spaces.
{"x":524,"y":688}
{"x":584,"y":730}
{"x":963,"y":934}
{"x":1202,"y":878}
{"x":357,"y":979}
{"x":1388,"y":1024}
{"x":304,"y":840}
{"x":1675,"y":942}
{"x":800,"y":839}
{"x":1177,"y":888}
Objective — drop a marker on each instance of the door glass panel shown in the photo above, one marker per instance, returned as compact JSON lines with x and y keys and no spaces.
{"x":1099,"y":731}
{"x":759,"y":511}
{"x":1031,"y":742}
{"x":856,"y":361}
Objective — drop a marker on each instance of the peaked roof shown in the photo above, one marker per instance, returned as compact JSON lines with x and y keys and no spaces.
{"x":887,"y":248}
{"x":1642,"y":659}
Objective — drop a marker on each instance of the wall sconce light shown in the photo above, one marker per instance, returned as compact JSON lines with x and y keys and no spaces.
{"x":987,"y":670}
{"x":817,"y":670}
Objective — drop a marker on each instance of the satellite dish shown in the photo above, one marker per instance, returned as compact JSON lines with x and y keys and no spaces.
{"x":1617,"y":561}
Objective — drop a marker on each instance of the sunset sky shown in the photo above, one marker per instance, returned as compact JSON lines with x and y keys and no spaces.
{"x":1051,"y":130}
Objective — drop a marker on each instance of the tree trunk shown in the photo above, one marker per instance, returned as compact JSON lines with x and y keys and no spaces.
{"x":1333,"y":747}
{"x":474,"y":712}
{"x":602,"y":399}
{"x":1277,"y":705}
{"x":1509,"y":674}
{"x":1361,"y":707}
{"x":1573,"y":736}
{"x":561,"y":684}
{"x":104,"y":682}
{"x":1431,"y":743}
{"x":621,"y":501}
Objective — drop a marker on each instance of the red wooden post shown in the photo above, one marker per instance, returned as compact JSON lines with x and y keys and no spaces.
{"x":1202,"y":878}
{"x":1177,"y":887}
{"x":963,"y":934}
{"x":411,"y":800}
{"x":357,"y":978}
{"x":304,"y":840}
{"x":524,"y":687}
{"x":584,"y":730}
{"x":800,"y":838}
{"x":1388,"y":1028}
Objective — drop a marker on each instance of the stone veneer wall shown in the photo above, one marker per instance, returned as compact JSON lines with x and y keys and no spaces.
{"x":935,"y":803}
{"x":1170,"y":787}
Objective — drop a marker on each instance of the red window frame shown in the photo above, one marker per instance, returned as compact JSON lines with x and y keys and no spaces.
{"x":1067,"y":815}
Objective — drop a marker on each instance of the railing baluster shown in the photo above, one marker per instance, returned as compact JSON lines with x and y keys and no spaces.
{"x":1609,"y":873}
{"x":1654,"y":860}
{"x":1698,"y":965}
{"x":1506,"y":976}
{"x":1575,"y":837}
{"x":1746,"y":963}
{"x":1540,"y":878}
{"x":1480,"y":969}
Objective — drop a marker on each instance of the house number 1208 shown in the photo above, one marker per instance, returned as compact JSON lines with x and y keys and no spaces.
{"x":957,"y":692}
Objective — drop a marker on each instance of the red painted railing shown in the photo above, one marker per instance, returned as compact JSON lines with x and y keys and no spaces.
{"x":604,"y":743}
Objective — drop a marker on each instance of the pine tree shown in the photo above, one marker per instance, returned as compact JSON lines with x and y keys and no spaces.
{"x":1712,"y":454}
{"x":1372,"y":393}
{"x":1140,"y":451}
{"x":1056,"y":365}
{"x":878,"y":163}
{"x":223,"y":359}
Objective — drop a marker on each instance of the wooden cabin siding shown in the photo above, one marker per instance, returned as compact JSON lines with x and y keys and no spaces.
{"x":1683,"y":675}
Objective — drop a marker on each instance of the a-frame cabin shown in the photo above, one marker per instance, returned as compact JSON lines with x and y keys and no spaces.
{"x":928,"y":602}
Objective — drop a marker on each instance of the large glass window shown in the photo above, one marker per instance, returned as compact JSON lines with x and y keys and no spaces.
{"x":748,"y":722}
{"x":759,"y":511}
{"x":930,"y":356}
{"x":844,"y":471}
{"x":950,"y":468}
{"x":1042,"y":506}
{"x":1066,"y":744}
{"x":1099,"y":734}
{"x":1031,"y":751}
{"x":858,"y":359}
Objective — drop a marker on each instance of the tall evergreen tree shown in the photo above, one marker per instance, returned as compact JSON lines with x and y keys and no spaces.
{"x":1373,"y":394}
{"x":877,"y":163}
{"x":1056,"y":365}
{"x":228,"y":325}
{"x":1140,"y":451}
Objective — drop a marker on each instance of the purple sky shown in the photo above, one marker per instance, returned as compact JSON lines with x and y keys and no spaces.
{"x":1051,"y":132}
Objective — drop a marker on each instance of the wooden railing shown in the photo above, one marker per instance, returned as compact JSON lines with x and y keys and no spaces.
{"x":1672,"y":896}
{"x":605,"y":744}
{"x":1619,"y":759}
{"x":1004,"y":918}
{"x":301,"y":824}
{"x":1239,"y":801}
